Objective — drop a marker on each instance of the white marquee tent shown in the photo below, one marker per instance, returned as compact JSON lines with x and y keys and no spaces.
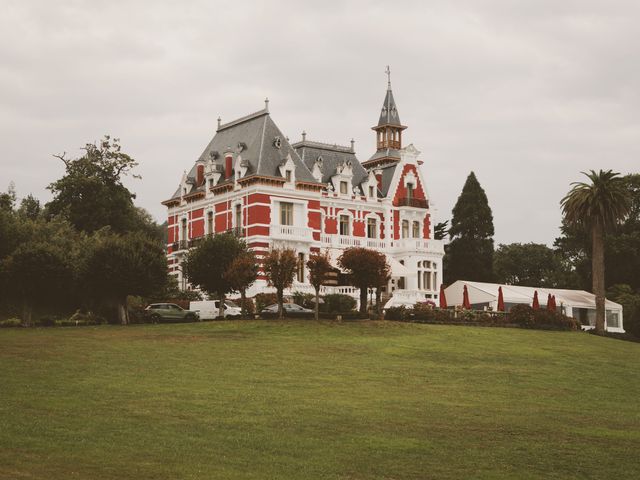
{"x":574,"y":303}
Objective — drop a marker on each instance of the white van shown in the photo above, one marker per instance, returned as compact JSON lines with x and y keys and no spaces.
{"x":209,"y":309}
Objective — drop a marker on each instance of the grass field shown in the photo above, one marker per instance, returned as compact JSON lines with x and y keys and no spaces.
{"x":302,"y":400}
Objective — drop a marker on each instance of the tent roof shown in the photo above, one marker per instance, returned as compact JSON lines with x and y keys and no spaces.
{"x":480,"y":292}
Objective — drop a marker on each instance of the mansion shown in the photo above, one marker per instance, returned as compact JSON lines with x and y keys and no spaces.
{"x":311,"y":196}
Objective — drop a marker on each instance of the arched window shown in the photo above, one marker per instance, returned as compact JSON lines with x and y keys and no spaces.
{"x":405,"y":228}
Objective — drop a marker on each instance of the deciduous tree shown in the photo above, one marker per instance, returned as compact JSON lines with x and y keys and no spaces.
{"x":91,"y":194}
{"x":121,"y":265}
{"x":366,"y":268}
{"x":280,"y":268}
{"x":319,"y":266}
{"x":529,"y":264}
{"x":241,"y":273}
{"x":206,"y":264}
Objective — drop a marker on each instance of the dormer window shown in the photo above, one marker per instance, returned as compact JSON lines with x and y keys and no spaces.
{"x":371,"y":191}
{"x":211,"y":183}
{"x":184,"y":191}
{"x":287,"y":175}
{"x":344,"y":187}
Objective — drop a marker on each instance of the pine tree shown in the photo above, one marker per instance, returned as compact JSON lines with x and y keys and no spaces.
{"x":469,"y":256}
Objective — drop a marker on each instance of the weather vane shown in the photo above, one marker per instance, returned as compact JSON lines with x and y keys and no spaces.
{"x":388,"y":72}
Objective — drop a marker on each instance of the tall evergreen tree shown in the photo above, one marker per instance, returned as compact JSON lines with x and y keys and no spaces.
{"x":469,"y":256}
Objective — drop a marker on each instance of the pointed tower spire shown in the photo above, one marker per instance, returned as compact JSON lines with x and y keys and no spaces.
{"x":388,"y":131}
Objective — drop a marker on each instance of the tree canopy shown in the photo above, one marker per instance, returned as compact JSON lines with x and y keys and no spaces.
{"x":280,"y":268}
{"x":366,"y":268}
{"x":91,"y":194}
{"x":530,"y":264}
{"x":469,"y":255}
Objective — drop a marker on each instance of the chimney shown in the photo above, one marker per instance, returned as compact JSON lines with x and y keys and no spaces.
{"x":199,"y":174}
{"x":228,"y":165}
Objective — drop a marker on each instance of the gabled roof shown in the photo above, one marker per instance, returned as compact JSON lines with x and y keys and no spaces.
{"x":332,"y":156}
{"x":387,"y":176}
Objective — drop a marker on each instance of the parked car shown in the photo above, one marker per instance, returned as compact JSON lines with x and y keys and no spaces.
{"x":169,"y":311}
{"x":210,"y":309}
{"x":289,"y":310}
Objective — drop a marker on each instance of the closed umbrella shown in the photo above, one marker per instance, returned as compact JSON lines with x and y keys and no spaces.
{"x":550,"y":302}
{"x":500,"y":300}
{"x":553,"y":302}
{"x":465,"y":298}
{"x":536,"y":303}
{"x":443,"y":298}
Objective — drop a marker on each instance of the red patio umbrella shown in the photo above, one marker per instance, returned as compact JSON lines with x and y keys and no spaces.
{"x":443,"y":298}
{"x":550,"y":302}
{"x":500,"y":300}
{"x":553,"y":302}
{"x":465,"y":298}
{"x":536,"y":303}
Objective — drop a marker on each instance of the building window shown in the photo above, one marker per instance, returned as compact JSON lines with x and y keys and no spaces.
{"x":238,"y":217}
{"x":343,"y":188}
{"x":286,"y":213}
{"x":344,"y":225}
{"x":210,"y":223}
{"x":287,"y":175}
{"x":371,"y":227}
{"x":409,"y":191}
{"x":301,"y":267}
{"x":416,"y":230}
{"x":405,"y":228}
{"x":427,"y":280}
{"x":211,"y":183}
{"x":184,"y":236}
{"x":371,"y":191}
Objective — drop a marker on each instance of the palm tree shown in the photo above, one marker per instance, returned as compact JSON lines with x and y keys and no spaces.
{"x":597,"y":206}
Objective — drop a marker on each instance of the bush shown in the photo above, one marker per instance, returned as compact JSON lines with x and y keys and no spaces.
{"x":526,"y":317}
{"x":264,"y":300}
{"x":249,"y":306}
{"x":47,"y":321}
{"x":306,"y":300}
{"x":396,"y":313}
{"x":337,"y":303}
{"x":11,"y":322}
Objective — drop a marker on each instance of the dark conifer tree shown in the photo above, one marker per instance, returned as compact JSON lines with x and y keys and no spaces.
{"x":469,"y":256}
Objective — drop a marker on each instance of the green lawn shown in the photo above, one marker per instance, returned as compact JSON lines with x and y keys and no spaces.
{"x":302,"y":400}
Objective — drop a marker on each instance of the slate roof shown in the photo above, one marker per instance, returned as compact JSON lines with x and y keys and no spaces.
{"x":387,"y":175}
{"x":332,"y":156}
{"x":254,"y":138}
{"x":385,"y":153}
{"x":389,"y":114}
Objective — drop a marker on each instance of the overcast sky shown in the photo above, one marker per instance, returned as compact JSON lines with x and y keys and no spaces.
{"x":525,"y":93}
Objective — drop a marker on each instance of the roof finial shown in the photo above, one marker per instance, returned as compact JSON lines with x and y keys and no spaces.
{"x":266,"y":104}
{"x":219,"y":122}
{"x":388,"y":72}
{"x":353,"y":142}
{"x":304,"y":135}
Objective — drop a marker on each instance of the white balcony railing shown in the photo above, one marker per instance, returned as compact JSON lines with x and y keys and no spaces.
{"x":401,"y":245}
{"x":290,"y":232}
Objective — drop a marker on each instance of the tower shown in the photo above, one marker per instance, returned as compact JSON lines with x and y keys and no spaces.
{"x":388,"y":131}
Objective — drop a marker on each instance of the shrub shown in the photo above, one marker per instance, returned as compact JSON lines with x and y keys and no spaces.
{"x":47,"y":321}
{"x":306,"y":300}
{"x":337,"y":303}
{"x":249,"y":306}
{"x":396,"y":313}
{"x":11,"y":322}
{"x":264,"y":300}
{"x":422,"y":312}
{"x":522,"y":315}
